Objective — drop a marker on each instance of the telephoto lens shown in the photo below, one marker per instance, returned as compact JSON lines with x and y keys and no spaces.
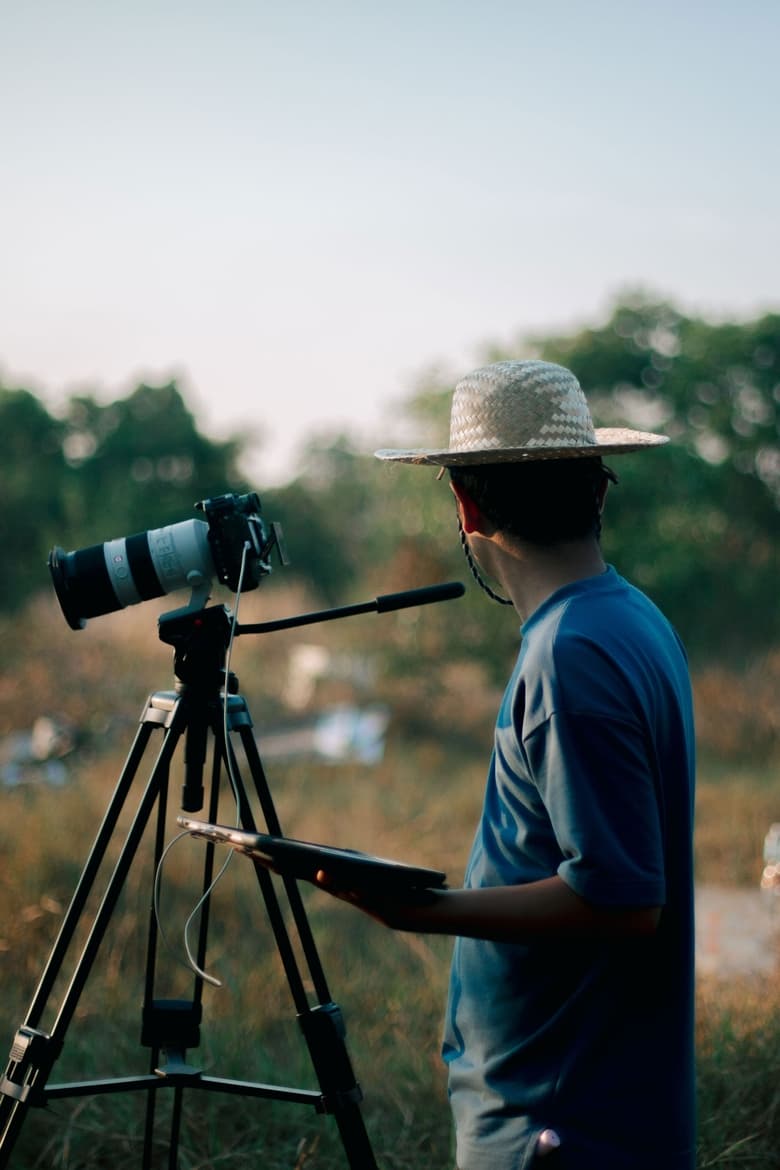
{"x":109,"y":576}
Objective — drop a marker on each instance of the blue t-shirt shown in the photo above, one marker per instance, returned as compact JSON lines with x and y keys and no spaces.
{"x":592,"y":779}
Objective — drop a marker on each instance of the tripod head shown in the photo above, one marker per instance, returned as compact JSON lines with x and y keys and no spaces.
{"x":200,"y":639}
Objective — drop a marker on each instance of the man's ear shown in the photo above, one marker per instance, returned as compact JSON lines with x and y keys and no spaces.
{"x":471,"y":517}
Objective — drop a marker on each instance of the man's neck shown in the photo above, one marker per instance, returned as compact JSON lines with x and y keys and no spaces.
{"x":531,"y":574}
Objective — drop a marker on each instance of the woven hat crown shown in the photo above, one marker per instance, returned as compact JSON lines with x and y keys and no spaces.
{"x":514,"y":404}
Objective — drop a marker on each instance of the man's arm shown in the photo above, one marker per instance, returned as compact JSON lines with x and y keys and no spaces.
{"x":547,"y":909}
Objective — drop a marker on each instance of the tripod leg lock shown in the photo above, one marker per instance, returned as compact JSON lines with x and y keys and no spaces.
{"x":32,"y":1052}
{"x":324,"y":1031}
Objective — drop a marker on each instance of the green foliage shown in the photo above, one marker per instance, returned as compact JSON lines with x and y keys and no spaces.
{"x":695,"y":524}
{"x":98,"y":472}
{"x":141,"y":461}
{"x":356,"y":529}
{"x":332,"y":520}
{"x":34,"y":482}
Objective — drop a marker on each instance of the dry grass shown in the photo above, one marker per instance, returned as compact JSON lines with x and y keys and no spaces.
{"x":738,"y":1044}
{"x":419,"y":804}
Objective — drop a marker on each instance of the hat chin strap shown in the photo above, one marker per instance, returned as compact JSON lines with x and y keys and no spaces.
{"x":475,"y":571}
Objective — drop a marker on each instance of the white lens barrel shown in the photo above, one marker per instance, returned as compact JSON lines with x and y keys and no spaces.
{"x":159,"y":561}
{"x":179,"y":551}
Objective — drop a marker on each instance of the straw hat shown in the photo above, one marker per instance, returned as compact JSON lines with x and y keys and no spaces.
{"x":512,"y":411}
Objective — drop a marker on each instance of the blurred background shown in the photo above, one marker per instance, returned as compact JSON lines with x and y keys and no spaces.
{"x":244,"y":246}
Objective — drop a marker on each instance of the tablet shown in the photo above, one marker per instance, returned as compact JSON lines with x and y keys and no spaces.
{"x":302,"y":859}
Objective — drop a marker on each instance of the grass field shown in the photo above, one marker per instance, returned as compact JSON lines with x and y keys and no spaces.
{"x":419,"y":804}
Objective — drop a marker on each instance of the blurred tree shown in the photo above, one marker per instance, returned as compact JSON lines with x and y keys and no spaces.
{"x":141,"y":462}
{"x":356,"y":528}
{"x":34,"y":488}
{"x":335,"y":528}
{"x":696,"y":524}
{"x":99,"y":472}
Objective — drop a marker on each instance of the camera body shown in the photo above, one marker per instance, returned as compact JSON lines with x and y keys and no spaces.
{"x":234,"y":522}
{"x":124,"y":571}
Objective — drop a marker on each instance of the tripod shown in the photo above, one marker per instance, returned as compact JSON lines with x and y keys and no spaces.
{"x":205,"y":701}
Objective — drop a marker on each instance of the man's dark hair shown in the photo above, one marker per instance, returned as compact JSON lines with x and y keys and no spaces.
{"x":544,"y":501}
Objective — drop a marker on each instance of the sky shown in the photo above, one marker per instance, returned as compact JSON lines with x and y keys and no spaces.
{"x":298,"y":208}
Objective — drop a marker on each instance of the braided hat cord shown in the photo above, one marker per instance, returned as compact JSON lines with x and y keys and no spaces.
{"x":475,"y":571}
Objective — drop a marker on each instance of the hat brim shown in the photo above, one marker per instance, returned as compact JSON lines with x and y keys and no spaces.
{"x":609,"y":441}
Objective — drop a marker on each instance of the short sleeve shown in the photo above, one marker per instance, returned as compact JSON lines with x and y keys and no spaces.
{"x":595,"y":777}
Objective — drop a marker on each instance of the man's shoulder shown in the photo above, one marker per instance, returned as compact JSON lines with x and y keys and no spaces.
{"x":597,"y":640}
{"x":599,"y":610}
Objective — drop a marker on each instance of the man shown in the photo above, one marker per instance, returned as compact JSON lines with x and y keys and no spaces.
{"x":569,"y":1031}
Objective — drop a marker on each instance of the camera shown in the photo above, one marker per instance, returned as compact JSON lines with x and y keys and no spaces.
{"x":109,"y":576}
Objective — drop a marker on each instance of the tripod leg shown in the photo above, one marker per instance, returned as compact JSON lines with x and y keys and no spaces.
{"x":323,"y":1025}
{"x":34,"y":1052}
{"x":300,"y":917}
{"x":325,"y":1034}
{"x":87,"y":878}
